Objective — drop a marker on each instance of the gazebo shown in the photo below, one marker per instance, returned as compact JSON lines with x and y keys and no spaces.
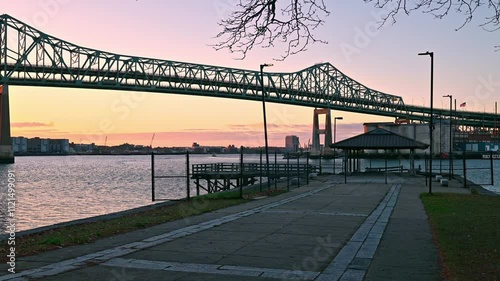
{"x":377,"y":139}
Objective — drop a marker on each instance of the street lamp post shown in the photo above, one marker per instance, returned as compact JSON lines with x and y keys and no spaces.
{"x":335,"y":139}
{"x":451,"y":136}
{"x":431,"y":124}
{"x":265,"y":121}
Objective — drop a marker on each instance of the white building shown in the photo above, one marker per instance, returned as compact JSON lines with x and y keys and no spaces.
{"x":19,"y":145}
{"x":418,"y":132}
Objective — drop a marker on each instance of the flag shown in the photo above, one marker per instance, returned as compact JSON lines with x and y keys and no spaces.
{"x":1,"y":89}
{"x":463,"y":104}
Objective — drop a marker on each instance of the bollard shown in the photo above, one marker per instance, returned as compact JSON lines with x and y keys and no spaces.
{"x":444,"y":182}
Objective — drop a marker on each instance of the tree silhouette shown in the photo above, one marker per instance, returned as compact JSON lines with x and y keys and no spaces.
{"x":264,"y":23}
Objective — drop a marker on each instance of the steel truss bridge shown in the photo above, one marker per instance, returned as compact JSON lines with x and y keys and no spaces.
{"x":30,"y":57}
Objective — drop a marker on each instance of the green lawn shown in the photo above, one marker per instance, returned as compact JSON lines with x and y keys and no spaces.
{"x":467,"y":230}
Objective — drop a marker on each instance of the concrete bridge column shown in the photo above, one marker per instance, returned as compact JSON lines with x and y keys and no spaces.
{"x":327,"y":131}
{"x":6,"y":154}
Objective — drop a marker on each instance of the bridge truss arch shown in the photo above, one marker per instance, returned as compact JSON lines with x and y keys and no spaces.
{"x":29,"y":57}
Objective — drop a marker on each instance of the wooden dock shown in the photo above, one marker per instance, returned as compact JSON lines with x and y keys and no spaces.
{"x":224,"y":176}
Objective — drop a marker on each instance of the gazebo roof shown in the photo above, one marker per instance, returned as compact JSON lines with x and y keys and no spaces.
{"x":379,"y":139}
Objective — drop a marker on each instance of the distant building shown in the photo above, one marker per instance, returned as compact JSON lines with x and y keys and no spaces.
{"x":418,"y":132}
{"x":19,"y":145}
{"x":82,"y":148}
{"x":232,"y":149}
{"x":40,"y":146}
{"x":292,"y":143}
{"x":58,"y":146}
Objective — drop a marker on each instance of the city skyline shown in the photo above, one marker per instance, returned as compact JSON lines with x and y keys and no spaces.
{"x":383,"y":59}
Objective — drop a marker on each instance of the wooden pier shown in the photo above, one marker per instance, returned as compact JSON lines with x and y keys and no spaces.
{"x":224,"y":176}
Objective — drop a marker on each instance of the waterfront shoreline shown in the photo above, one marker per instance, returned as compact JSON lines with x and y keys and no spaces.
{"x":97,"y":218}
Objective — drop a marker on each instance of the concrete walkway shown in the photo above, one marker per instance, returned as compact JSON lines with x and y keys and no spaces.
{"x":363,"y":230}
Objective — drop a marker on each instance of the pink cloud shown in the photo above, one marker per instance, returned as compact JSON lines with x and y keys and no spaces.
{"x":247,"y":135}
{"x":30,"y":124}
{"x":237,"y":134}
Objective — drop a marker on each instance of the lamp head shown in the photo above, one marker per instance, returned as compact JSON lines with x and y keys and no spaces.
{"x":426,"y":53}
{"x":339,"y":118}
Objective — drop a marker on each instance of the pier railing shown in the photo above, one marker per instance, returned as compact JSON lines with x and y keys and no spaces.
{"x":471,"y":167}
{"x":229,"y":168}
{"x":204,"y":178}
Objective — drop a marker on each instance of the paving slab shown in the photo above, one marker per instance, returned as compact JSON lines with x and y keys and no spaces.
{"x":267,"y":262}
{"x":176,"y":256}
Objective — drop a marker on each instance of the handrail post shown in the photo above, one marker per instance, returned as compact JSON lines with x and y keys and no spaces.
{"x":152,"y":176}
{"x":260,"y":171}
{"x":241,"y":172}
{"x":425,"y":167}
{"x":298,"y":172}
{"x":288,"y":172}
{"x":465,"y":170}
{"x":307,"y":169}
{"x":320,"y":166}
{"x":187,"y":176}
{"x":275,"y":170}
{"x":491,"y":168}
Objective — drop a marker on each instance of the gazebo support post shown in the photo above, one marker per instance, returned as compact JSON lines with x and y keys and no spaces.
{"x":359,"y":160}
{"x":385,"y":161}
{"x":412,"y":162}
{"x":346,"y":159}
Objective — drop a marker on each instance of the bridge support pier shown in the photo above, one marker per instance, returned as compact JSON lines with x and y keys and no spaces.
{"x":327,"y":131}
{"x":6,"y":154}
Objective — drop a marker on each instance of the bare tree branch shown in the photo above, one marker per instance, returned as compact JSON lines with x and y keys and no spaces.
{"x":262,"y":22}
{"x":441,"y":8}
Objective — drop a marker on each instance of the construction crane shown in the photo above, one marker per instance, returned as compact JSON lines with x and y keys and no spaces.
{"x":105,"y":140}
{"x":151,"y":143}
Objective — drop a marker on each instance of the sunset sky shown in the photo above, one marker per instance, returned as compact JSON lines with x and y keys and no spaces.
{"x":385,"y":59}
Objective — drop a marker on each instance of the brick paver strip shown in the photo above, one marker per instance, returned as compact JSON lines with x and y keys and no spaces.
{"x":212,"y":269}
{"x":352,"y":262}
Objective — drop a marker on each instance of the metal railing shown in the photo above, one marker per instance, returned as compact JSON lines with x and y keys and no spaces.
{"x":225,"y":176}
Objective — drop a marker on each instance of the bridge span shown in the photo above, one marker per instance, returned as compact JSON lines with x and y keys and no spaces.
{"x":30,"y":57}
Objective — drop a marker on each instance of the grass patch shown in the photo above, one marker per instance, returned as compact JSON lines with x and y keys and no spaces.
{"x":90,"y":232}
{"x":467,"y":231}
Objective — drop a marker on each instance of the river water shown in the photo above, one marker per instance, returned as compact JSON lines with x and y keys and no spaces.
{"x":54,"y":189}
